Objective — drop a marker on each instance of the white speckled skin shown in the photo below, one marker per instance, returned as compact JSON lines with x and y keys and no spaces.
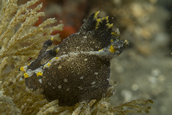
{"x":78,"y":71}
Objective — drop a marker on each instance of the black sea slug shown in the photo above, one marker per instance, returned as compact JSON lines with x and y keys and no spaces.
{"x":78,"y":69}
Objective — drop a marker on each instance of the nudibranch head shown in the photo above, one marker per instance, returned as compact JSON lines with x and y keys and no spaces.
{"x":78,"y":69}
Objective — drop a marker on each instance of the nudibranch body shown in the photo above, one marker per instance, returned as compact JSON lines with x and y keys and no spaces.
{"x":78,"y":69}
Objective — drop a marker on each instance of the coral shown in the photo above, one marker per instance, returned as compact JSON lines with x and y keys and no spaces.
{"x":7,"y":105}
{"x":93,"y":107}
{"x":20,"y":43}
{"x":102,"y":107}
{"x":17,"y":33}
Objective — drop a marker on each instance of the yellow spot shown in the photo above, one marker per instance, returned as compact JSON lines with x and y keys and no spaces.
{"x":96,"y":14}
{"x":100,"y":50}
{"x":52,"y":38}
{"x":109,"y":25}
{"x":112,"y":49}
{"x":111,"y":40}
{"x":26,"y":75}
{"x":56,"y":57}
{"x":39,"y":74}
{"x":22,"y":68}
{"x":28,"y":64}
{"x":48,"y":64}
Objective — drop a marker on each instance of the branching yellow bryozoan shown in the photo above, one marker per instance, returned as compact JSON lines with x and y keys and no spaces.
{"x":20,"y":40}
{"x":98,"y":20}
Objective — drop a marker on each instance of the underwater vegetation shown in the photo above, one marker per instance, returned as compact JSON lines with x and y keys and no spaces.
{"x":74,"y":75}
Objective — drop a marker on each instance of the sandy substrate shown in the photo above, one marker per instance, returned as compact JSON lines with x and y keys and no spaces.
{"x":144,"y":77}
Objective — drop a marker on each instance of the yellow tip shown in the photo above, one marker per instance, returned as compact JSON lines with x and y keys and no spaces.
{"x":100,"y":50}
{"x":22,"y":68}
{"x":112,"y":49}
{"x":52,"y":38}
{"x":96,"y":14}
{"x":57,"y":57}
{"x":39,"y":74}
{"x":109,"y":25}
{"x":26,"y":75}
{"x":111,"y":40}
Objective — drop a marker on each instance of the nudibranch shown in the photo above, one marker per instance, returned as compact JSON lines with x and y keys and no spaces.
{"x":78,"y":69}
